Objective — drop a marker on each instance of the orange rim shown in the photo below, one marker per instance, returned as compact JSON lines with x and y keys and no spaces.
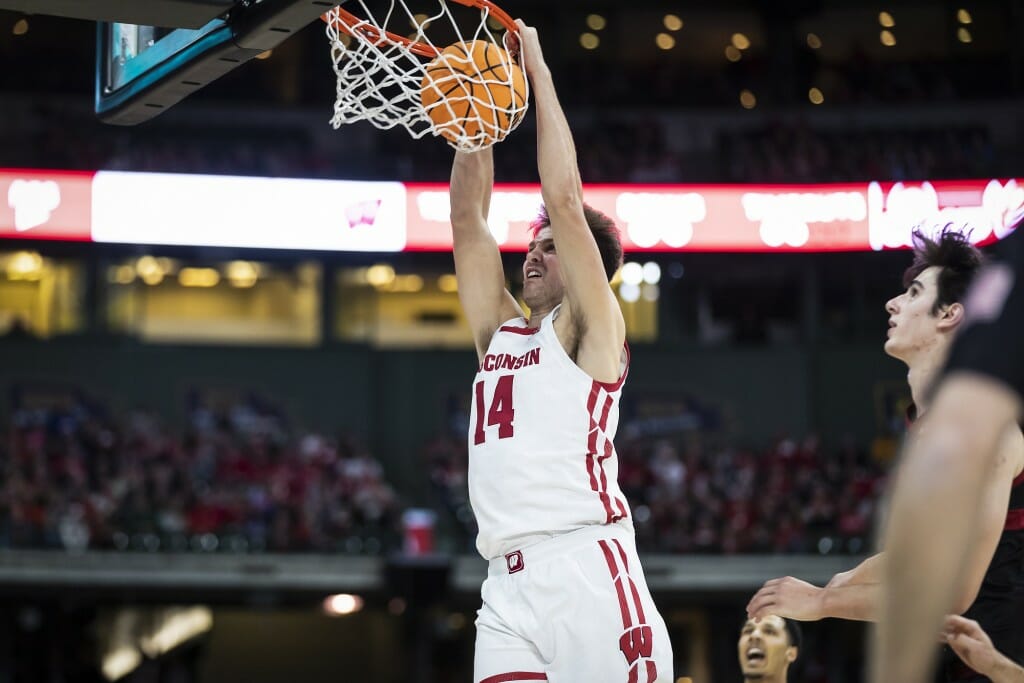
{"x":346,"y":22}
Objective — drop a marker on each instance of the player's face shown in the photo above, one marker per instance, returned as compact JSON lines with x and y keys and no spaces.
{"x":542,"y":278}
{"x":764,"y":648}
{"x":912,"y":325}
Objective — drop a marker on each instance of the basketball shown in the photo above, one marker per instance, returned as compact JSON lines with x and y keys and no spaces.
{"x":474,"y":92}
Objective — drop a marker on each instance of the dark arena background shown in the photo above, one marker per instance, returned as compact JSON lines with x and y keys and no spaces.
{"x":235,"y":376}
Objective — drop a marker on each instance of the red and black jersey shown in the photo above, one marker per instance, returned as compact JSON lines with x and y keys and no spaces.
{"x":999,"y":607}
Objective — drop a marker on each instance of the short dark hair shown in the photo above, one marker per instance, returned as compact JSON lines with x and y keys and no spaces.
{"x":796,"y":636}
{"x":602,"y":227}
{"x":955,"y":256}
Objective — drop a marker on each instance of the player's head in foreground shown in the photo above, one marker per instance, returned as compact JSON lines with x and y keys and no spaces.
{"x":923,"y":320}
{"x":543,"y":286}
{"x":767,"y":646}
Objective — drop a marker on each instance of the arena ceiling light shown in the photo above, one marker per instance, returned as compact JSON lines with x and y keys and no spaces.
{"x":672,"y":22}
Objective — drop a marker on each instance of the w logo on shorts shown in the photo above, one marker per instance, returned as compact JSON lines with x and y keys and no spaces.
{"x":637,"y":642}
{"x":514,"y":561}
{"x":637,"y":639}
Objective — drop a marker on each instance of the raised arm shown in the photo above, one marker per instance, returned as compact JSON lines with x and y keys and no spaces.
{"x":600,"y":329}
{"x":478,"y":269}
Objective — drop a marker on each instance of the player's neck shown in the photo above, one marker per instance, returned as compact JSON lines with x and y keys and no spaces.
{"x":765,"y":678}
{"x":922,"y":373}
{"x":538,"y":314}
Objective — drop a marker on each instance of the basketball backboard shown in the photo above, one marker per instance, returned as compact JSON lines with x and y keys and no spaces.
{"x":174,"y":13}
{"x":151,"y":54}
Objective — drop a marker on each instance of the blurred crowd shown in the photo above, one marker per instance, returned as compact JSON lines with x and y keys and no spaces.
{"x":690,"y":496}
{"x":796,"y":153}
{"x":237,"y":480}
{"x":780,"y":79}
{"x":792,"y":497}
{"x":611,"y":149}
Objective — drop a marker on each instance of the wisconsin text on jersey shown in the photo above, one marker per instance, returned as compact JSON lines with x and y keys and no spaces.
{"x":506,"y":361}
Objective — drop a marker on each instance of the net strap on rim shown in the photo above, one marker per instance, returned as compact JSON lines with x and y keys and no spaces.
{"x":380,"y":72}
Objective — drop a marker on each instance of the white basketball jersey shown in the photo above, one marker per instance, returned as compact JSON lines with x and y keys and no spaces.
{"x":541,"y":459}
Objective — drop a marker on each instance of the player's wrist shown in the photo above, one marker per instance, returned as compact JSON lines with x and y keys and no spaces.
{"x":1004,"y":670}
{"x":824,"y":603}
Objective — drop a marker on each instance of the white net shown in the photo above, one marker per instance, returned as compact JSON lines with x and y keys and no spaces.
{"x":390,"y":73}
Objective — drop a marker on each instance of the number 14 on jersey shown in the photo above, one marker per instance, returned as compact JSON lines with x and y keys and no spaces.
{"x":499,"y":412}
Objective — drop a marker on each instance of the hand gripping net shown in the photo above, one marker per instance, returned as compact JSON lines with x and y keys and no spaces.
{"x":380,"y":71}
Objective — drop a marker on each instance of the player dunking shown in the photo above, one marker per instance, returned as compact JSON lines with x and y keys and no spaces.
{"x":565,"y":598}
{"x":923,"y":323}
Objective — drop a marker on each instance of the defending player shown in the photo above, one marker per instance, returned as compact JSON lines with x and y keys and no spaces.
{"x":923,"y":323}
{"x":767,"y":648}
{"x":943,"y":491}
{"x":565,"y":598}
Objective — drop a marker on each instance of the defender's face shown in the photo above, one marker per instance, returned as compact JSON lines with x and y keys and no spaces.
{"x":912,"y":325}
{"x":542,"y":277}
{"x":764,"y":647}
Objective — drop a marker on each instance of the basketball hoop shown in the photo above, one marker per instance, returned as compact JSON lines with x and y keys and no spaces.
{"x":382,"y":74}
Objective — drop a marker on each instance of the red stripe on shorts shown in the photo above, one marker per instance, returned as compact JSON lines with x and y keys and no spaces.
{"x":613,"y":569}
{"x":636,"y":601}
{"x":632,"y":586}
{"x":622,"y":553}
{"x":516,"y":676}
{"x":619,"y":578}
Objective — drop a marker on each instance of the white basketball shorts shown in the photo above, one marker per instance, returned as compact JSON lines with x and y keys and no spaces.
{"x":569,"y":609}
